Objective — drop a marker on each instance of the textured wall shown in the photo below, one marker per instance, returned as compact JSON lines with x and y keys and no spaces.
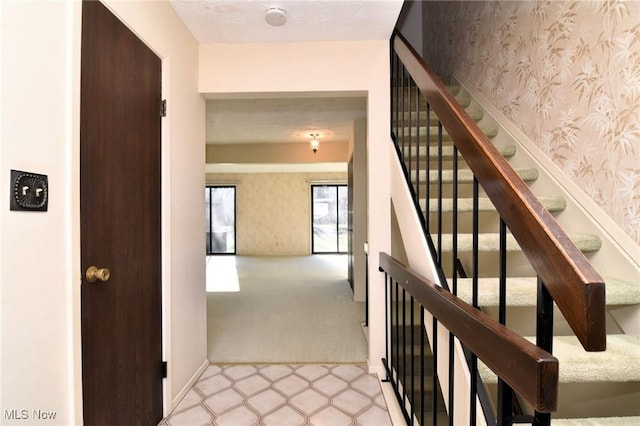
{"x":567,"y":73}
{"x":273,"y":211}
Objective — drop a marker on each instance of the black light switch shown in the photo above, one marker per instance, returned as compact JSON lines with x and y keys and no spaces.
{"x":29,"y":191}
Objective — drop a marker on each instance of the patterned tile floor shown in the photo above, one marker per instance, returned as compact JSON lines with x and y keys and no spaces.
{"x":283,"y":395}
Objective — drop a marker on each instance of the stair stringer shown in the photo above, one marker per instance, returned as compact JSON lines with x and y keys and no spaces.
{"x":419,"y":259}
{"x":619,"y":256}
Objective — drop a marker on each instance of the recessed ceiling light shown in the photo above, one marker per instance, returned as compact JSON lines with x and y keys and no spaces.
{"x":276,"y":16}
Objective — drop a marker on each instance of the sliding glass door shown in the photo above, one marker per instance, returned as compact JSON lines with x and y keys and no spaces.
{"x":329,"y":211}
{"x":220,"y":219}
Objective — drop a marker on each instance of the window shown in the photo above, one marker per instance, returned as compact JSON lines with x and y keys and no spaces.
{"x":329,"y":209}
{"x":220,"y":219}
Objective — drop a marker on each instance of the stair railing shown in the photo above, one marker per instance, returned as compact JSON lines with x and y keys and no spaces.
{"x":565,"y":276}
{"x":530,"y":370}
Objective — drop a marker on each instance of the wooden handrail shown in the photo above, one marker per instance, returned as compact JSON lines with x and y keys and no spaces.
{"x":528,"y":369}
{"x":577,"y":289}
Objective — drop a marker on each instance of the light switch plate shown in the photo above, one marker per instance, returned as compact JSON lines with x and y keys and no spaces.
{"x":29,"y":191}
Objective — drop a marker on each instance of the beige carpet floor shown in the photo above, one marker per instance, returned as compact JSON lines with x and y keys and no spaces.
{"x":282,"y":309}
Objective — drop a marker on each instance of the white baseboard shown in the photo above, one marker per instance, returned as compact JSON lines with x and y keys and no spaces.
{"x":395,"y":412}
{"x":187,"y":387}
{"x":607,"y":227}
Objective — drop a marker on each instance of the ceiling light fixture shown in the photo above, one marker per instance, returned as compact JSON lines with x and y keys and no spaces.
{"x":276,"y":16}
{"x":315,"y":144}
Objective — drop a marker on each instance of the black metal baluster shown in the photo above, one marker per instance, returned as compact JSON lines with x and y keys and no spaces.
{"x":393,"y":91}
{"x":428,"y":170}
{"x":505,"y":393}
{"x":451,"y":336}
{"x":404,"y":348}
{"x":454,"y":213}
{"x":474,"y":302}
{"x":398,"y":107}
{"x":544,"y":335}
{"x":397,"y":332}
{"x":412,"y":355}
{"x":410,"y":130}
{"x":440,"y":185}
{"x":417,"y":174}
{"x":404,"y":112}
{"x":476,"y":242}
{"x":434,"y":394}
{"x":502,"y":306}
{"x":387,"y":319}
{"x":451,"y":378}
{"x":366,"y":289}
{"x":423,"y":331}
{"x":392,"y":331}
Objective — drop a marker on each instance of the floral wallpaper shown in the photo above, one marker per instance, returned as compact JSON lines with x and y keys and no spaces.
{"x":273,"y":211}
{"x":566,"y":72}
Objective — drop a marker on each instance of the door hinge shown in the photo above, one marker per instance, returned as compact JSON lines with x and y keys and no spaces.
{"x":163,"y":370}
{"x":163,"y":108}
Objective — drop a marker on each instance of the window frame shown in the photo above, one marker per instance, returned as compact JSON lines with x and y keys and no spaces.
{"x":209,"y":232}
{"x":338,"y":245}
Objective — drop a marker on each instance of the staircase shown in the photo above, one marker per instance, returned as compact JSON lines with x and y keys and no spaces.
{"x":610,"y":375}
{"x":595,"y":388}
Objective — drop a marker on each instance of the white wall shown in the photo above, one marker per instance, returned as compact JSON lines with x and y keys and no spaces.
{"x":40,"y":270}
{"x":359,"y":209}
{"x":40,"y":252}
{"x":360,"y":67}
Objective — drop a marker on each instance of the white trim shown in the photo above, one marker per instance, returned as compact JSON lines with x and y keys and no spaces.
{"x":275,"y":168}
{"x":165,"y":170}
{"x":187,"y":387}
{"x":74,"y":361}
{"x":393,"y":407}
{"x":395,"y":412}
{"x":605,"y":224}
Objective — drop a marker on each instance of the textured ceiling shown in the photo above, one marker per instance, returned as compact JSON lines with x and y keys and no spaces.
{"x":282,"y":120}
{"x":242,"y":21}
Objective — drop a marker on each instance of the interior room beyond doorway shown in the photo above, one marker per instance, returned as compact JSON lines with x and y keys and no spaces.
{"x":283,"y":309}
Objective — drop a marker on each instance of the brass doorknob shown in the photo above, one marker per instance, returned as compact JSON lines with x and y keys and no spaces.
{"x":93,"y":274}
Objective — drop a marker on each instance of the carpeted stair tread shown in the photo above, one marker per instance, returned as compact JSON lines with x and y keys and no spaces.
{"x":552,"y":204}
{"x":463,"y":98}
{"x":454,"y":89}
{"x":447,"y":152}
{"x":619,"y":363}
{"x":490,"y":131}
{"x":598,"y":421}
{"x":466,"y":175}
{"x":522,"y":291}
{"x":490,"y":242}
{"x":476,"y":115}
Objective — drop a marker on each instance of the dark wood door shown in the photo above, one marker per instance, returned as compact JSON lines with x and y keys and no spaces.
{"x":120,"y":134}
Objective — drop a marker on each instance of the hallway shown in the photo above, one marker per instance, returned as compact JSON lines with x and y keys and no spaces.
{"x":286,"y":347}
